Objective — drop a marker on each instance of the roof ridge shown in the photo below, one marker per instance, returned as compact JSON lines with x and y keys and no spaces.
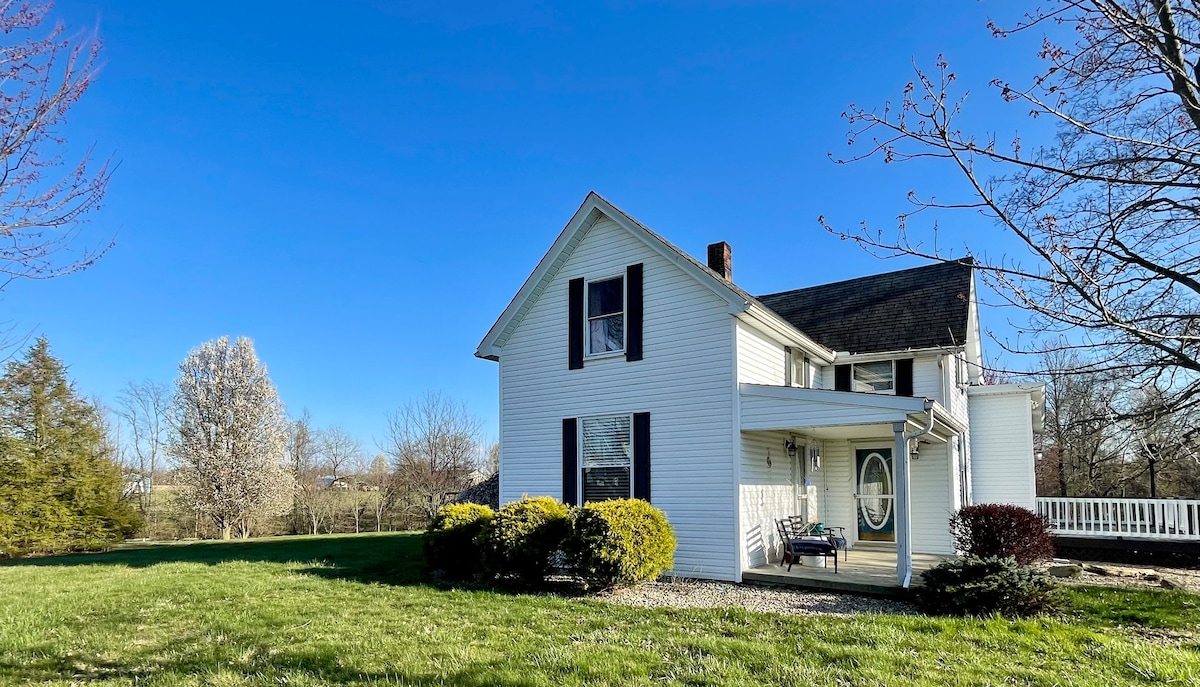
{"x":967,"y":261}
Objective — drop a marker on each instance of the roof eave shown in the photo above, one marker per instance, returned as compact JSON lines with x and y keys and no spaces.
{"x":781,"y":327}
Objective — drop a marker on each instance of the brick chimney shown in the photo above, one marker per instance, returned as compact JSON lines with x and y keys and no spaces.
{"x":720,"y":259}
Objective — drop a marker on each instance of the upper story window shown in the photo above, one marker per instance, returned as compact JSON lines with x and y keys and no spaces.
{"x":606,"y":316}
{"x":797,"y":369}
{"x":607,"y":457}
{"x":877,"y":377}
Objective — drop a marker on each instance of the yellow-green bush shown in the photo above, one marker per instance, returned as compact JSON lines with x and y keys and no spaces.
{"x":522,"y":540}
{"x":451,"y":542}
{"x":620,"y":543}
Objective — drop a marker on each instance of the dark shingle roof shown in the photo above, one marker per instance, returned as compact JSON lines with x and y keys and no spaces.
{"x":923,"y":307}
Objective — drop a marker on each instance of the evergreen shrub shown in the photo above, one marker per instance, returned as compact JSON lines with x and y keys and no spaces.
{"x":451,"y":543}
{"x":522,"y":541}
{"x":619,"y":543}
{"x":60,"y":489}
{"x":984,"y":586}
{"x":992,"y":530}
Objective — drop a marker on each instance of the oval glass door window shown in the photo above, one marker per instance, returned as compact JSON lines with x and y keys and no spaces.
{"x":875,"y":495}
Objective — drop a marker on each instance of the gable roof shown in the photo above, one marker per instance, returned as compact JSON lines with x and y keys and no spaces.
{"x":922,"y":307}
{"x":594,"y":207}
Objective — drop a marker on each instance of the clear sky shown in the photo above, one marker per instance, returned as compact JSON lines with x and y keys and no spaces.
{"x":361,"y":187}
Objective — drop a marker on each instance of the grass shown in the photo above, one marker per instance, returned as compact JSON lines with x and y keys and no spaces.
{"x":353,"y":609}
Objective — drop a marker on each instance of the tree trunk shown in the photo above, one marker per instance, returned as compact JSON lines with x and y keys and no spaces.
{"x":226,"y":531}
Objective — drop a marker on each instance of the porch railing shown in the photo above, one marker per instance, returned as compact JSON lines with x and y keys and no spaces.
{"x":1177,"y":519}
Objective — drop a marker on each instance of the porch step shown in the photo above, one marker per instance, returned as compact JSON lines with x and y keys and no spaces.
{"x":850,"y":583}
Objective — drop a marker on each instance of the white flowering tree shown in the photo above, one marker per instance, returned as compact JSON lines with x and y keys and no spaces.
{"x":231,"y":432}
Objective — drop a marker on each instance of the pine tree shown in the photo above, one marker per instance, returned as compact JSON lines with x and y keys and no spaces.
{"x":59,"y":488}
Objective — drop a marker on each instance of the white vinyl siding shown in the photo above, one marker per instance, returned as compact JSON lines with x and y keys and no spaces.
{"x":1002,"y":448}
{"x":686,"y":383}
{"x":760,"y":358}
{"x":766,"y":494}
{"x":927,"y":378}
{"x":835,"y":485}
{"x":930,"y":485}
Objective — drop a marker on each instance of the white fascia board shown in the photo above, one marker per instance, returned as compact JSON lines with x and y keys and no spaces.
{"x":581,"y":221}
{"x":1031,"y":388}
{"x":773,"y":324}
{"x":856,"y":399}
{"x":944,"y":419}
{"x":974,"y":342}
{"x":593,"y":207}
{"x":843,"y":356}
{"x":672,"y":254}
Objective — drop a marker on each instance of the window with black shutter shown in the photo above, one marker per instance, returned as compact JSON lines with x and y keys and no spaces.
{"x":904,"y":377}
{"x":606,"y":458}
{"x":633,"y":312}
{"x":570,"y":460}
{"x":641,"y":456}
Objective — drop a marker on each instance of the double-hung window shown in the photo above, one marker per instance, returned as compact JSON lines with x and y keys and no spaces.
{"x":877,"y":377}
{"x":607,"y":457}
{"x":606,"y":316}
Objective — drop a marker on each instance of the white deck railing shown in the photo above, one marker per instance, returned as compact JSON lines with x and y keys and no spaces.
{"x":1177,"y":519}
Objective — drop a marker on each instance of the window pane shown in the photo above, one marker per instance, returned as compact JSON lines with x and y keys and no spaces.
{"x":606,"y":458}
{"x":873,"y":376}
{"x":606,"y":297}
{"x":606,"y":334}
{"x":606,"y":441}
{"x":603,"y":484}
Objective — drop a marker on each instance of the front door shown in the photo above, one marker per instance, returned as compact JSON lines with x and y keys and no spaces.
{"x":876,"y":494}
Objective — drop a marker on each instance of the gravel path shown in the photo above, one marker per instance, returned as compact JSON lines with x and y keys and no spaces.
{"x":705,"y":594}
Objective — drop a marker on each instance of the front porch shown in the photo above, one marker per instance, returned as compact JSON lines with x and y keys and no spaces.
{"x":865,"y":571}
{"x":882,"y":470}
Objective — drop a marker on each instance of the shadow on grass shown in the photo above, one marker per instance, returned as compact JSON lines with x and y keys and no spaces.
{"x":389,"y":558}
{"x":252,"y":661}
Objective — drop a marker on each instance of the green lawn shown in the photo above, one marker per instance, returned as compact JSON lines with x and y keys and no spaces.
{"x":353,"y":610}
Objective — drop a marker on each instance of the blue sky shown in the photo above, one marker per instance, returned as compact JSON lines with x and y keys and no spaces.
{"x":361,"y":187}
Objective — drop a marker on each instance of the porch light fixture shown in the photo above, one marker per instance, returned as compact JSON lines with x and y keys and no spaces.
{"x":790,"y":445}
{"x":915,"y":453}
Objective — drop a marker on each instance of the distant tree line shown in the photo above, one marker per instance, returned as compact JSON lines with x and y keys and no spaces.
{"x":1106,"y":436}
{"x":216,"y":456}
{"x":212,"y":456}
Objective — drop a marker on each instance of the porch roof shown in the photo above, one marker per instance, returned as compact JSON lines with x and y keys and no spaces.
{"x":822,"y":413}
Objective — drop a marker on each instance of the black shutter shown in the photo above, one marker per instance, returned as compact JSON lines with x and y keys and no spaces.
{"x":570,"y":461}
{"x":904,"y":377}
{"x":633,"y":312}
{"x":641,"y":456}
{"x":575,"y":324}
{"x":841,"y":377}
{"x":787,"y":366}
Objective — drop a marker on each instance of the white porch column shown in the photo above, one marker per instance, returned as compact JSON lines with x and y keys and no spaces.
{"x":902,"y":502}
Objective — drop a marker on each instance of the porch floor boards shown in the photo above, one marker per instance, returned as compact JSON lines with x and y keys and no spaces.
{"x":867,"y":571}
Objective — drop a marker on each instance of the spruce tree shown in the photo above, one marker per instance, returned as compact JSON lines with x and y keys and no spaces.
{"x":59,"y":488}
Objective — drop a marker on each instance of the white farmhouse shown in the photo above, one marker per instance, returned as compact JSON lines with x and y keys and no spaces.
{"x":628,"y":368}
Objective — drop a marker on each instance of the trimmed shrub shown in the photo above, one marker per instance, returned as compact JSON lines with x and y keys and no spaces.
{"x":522,"y":540}
{"x":619,"y":543}
{"x":992,"y":530}
{"x":983,"y":586}
{"x":451,"y":542}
